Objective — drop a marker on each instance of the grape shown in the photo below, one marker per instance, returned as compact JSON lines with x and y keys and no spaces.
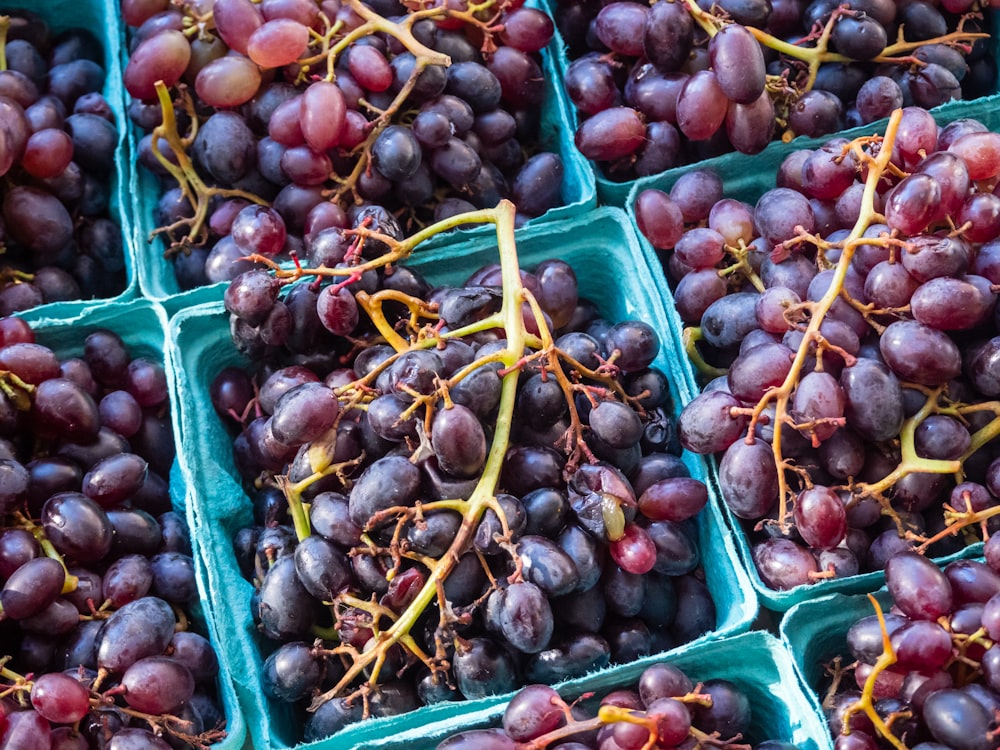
{"x":919,"y":589}
{"x":157,"y":684}
{"x":620,"y":26}
{"x":277,"y":42}
{"x":919,"y":353}
{"x":701,"y":106}
{"x":783,"y":564}
{"x":668,"y":34}
{"x":738,"y":63}
{"x":531,"y":713}
{"x":163,"y":57}
{"x":750,"y":127}
{"x":820,"y":517}
{"x":610,"y":134}
{"x":60,"y":698}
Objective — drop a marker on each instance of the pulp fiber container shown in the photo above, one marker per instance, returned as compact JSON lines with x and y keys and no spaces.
{"x":748,"y":186}
{"x":142,"y":325}
{"x":102,"y":19}
{"x":602,"y":249}
{"x":816,"y":631}
{"x":614,"y":193}
{"x":156,"y":273}
{"x":759,"y":665}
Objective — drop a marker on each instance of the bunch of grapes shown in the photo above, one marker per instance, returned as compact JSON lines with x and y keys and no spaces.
{"x":849,"y":317}
{"x":275,"y":125}
{"x":57,"y":155}
{"x":665,"y":709}
{"x":457,"y":489}
{"x":96,"y":568}
{"x":927,"y":673}
{"x":677,"y":81}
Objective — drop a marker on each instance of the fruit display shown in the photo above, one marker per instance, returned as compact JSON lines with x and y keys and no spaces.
{"x":101,"y":629}
{"x":458,"y":489}
{"x":676,"y":81}
{"x":866,"y":278}
{"x":913,"y":665}
{"x":462,"y":458}
{"x":61,"y":161}
{"x":306,"y":116}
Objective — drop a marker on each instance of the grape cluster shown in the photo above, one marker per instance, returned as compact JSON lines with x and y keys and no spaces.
{"x":275,"y":125}
{"x":460,"y":490}
{"x":850,"y":318}
{"x":57,"y":156}
{"x":677,"y":81}
{"x":98,"y":578}
{"x":923,"y":674}
{"x":665,"y":709}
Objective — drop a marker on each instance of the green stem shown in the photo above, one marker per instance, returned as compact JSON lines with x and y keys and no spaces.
{"x":781,"y":395}
{"x":910,"y":462}
{"x":4,"y":28}
{"x":296,"y":508}
{"x":485,"y":491}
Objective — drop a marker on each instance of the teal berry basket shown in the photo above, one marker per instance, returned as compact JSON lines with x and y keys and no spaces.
{"x":602,"y":249}
{"x":102,"y":19}
{"x":748,"y":186}
{"x":612,"y":193}
{"x":142,"y":326}
{"x":816,"y":631}
{"x":756,"y":662}
{"x":156,"y":277}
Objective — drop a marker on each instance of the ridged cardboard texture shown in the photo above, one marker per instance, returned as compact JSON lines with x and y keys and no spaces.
{"x":156,"y":273}
{"x":748,"y":186}
{"x":142,"y":326}
{"x":816,"y":631}
{"x":756,"y":662}
{"x":100,"y":17}
{"x":603,"y":250}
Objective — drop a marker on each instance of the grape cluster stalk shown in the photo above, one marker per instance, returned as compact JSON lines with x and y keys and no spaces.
{"x":848,"y":321}
{"x":272,"y":123}
{"x":682,"y":80}
{"x":470,"y":481}
{"x":926,"y":671}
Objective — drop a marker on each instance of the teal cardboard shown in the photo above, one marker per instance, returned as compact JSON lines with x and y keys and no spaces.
{"x":603,"y":250}
{"x":816,"y":631}
{"x":748,"y":185}
{"x":756,"y":662}
{"x":156,"y":273}
{"x":100,"y":17}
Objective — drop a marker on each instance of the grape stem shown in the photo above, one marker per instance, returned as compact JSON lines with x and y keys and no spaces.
{"x":820,"y":53}
{"x":194,"y":189}
{"x":866,"y":701}
{"x":4,"y":28}
{"x":70,"y":583}
{"x":781,"y":395}
{"x":483,"y":496}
